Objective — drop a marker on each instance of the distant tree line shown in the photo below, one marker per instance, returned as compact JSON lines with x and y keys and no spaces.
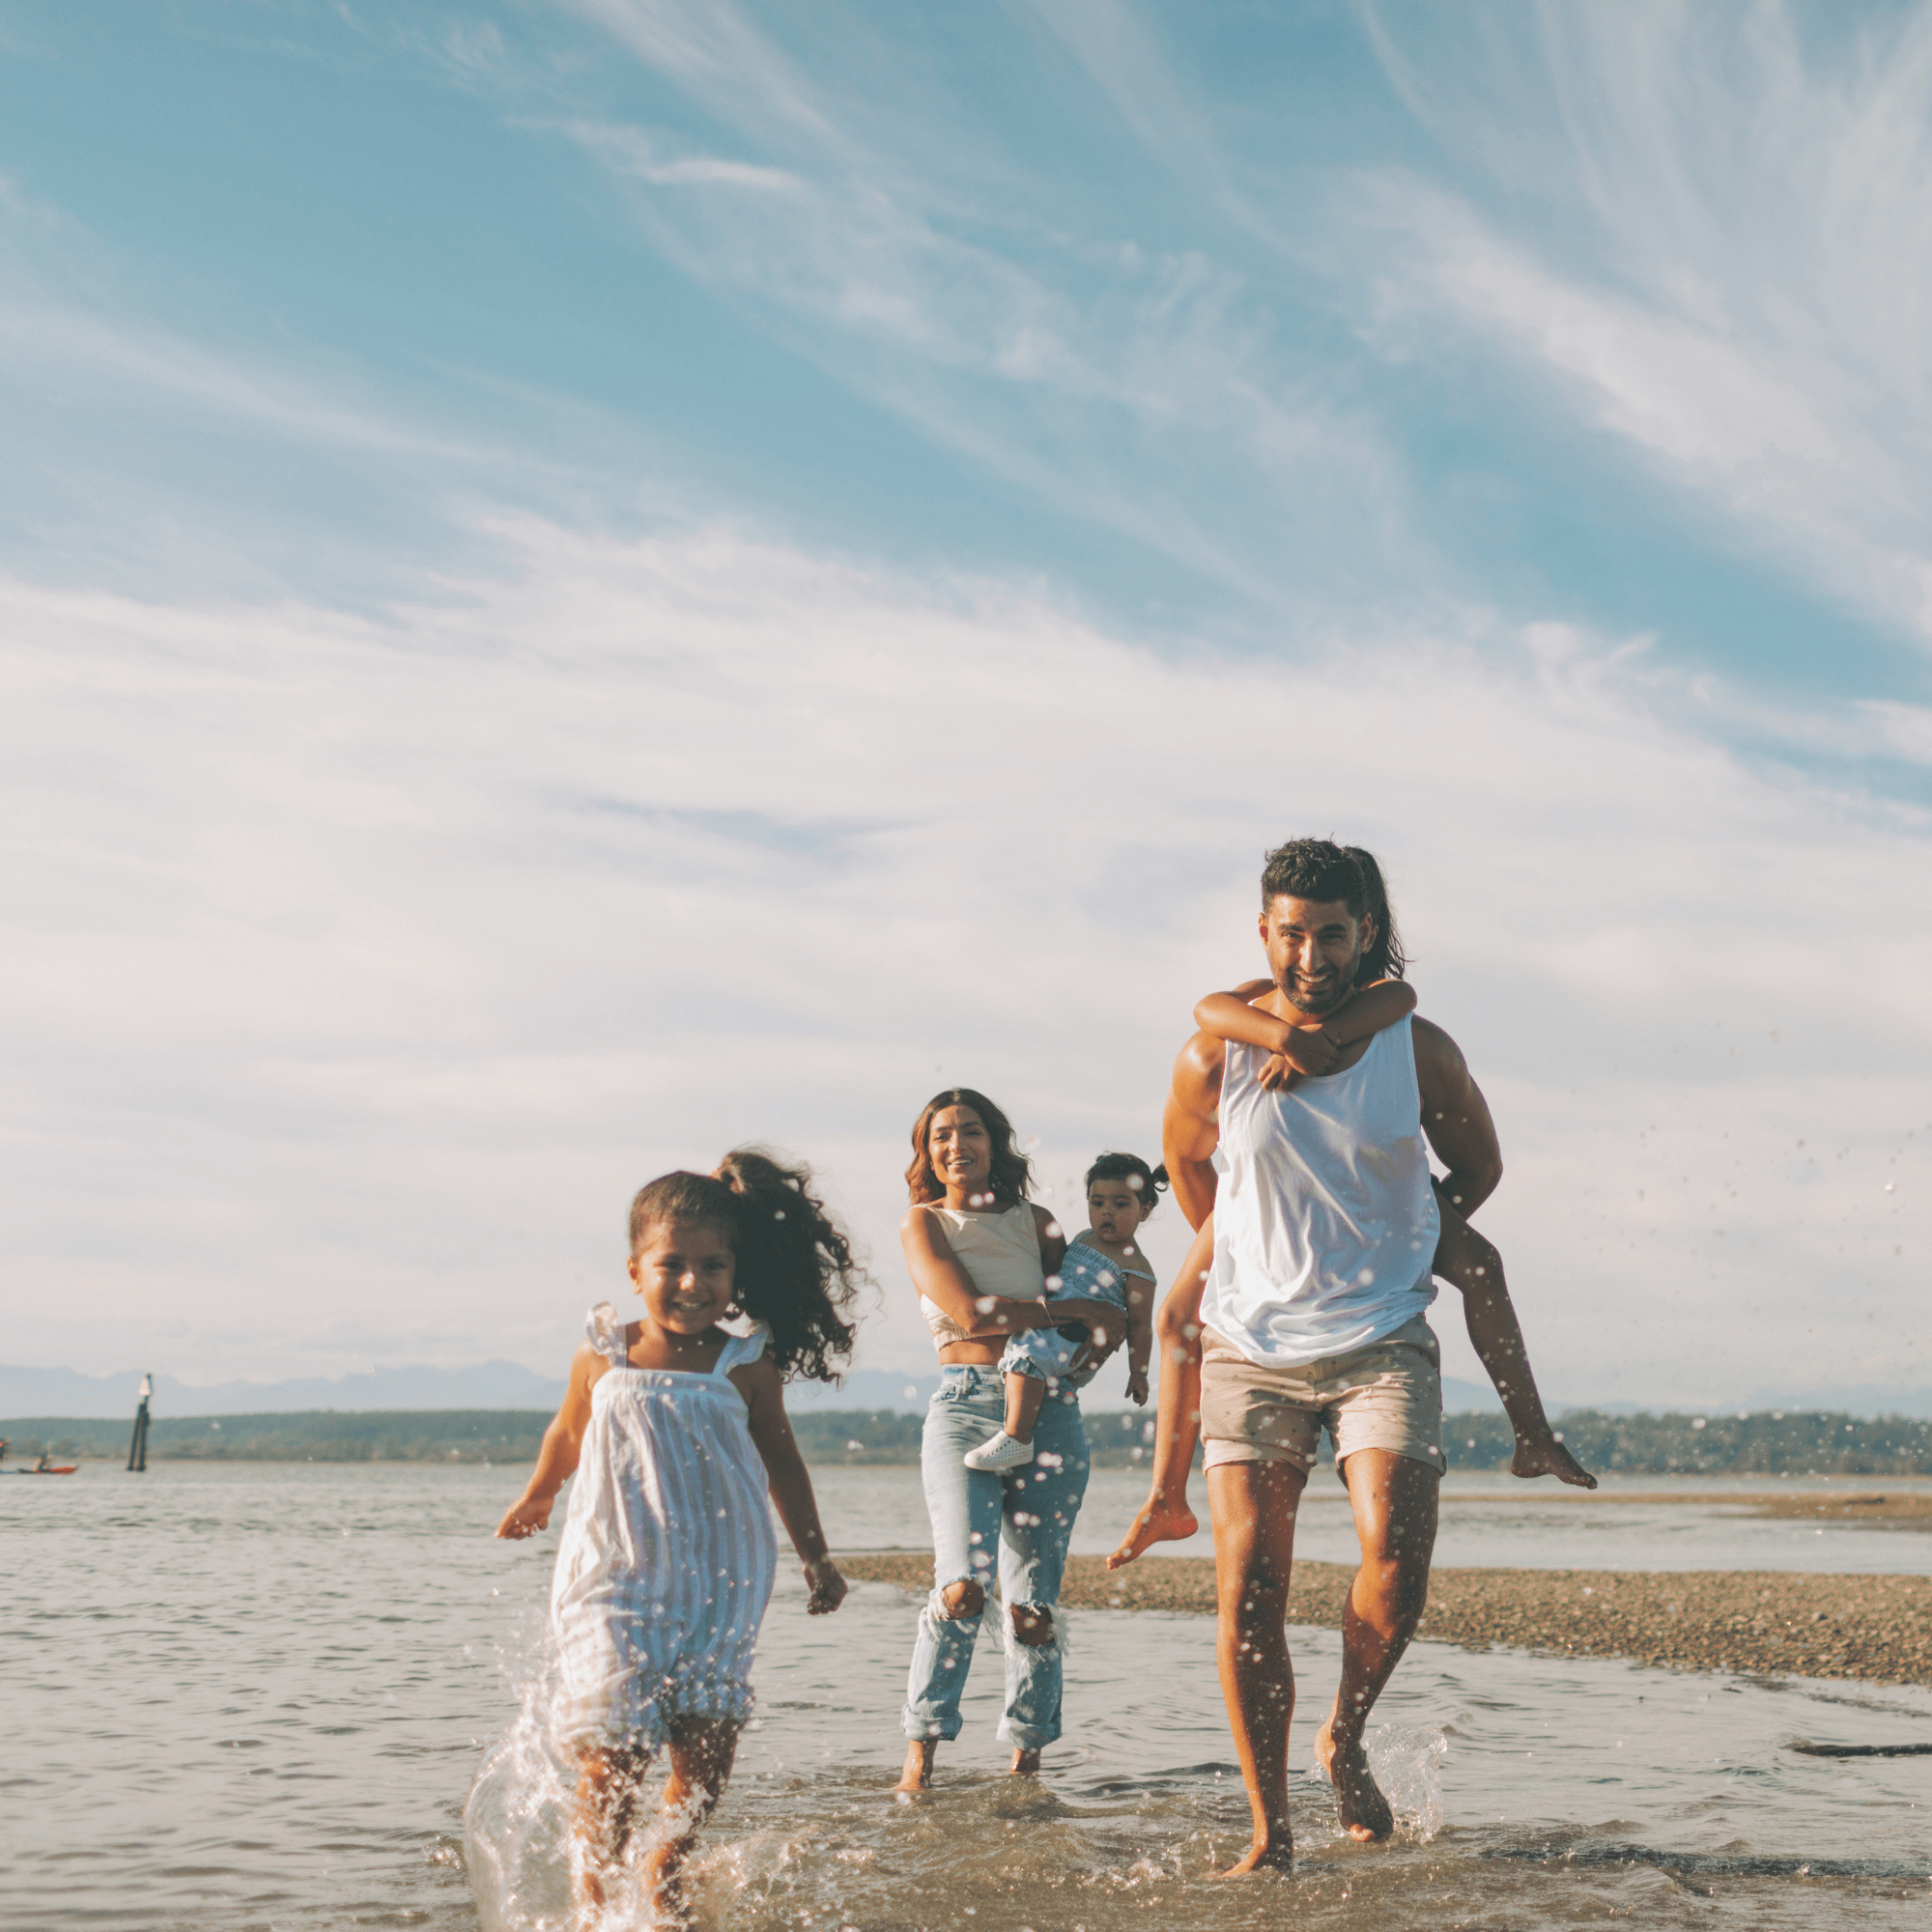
{"x":1795,"y":1443}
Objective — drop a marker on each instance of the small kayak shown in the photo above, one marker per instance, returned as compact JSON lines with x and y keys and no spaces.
{"x":53,"y":1470}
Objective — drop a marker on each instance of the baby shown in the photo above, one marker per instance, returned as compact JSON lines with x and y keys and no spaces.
{"x":1101,"y":1264}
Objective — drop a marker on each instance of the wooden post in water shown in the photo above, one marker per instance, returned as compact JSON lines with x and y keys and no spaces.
{"x":137,"y":1449}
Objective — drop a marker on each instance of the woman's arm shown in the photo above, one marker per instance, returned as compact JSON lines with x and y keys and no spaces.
{"x":937,"y":1274}
{"x":763,"y":1390}
{"x":562,"y":1445}
{"x":1052,"y":1239}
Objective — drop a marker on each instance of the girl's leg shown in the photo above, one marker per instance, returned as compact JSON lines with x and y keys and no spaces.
{"x":964,"y":1506}
{"x":607,"y":1805}
{"x":1177,"y":1433}
{"x":1475,"y":1267}
{"x":700,"y":1751}
{"x":1042,"y":1503}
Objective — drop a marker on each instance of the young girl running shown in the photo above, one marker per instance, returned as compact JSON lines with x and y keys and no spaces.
{"x":666,"y":1558}
{"x":1104,"y":1263}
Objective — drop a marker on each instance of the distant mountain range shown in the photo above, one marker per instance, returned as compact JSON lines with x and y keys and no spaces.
{"x":498,"y":1385}
{"x":493,"y":1385}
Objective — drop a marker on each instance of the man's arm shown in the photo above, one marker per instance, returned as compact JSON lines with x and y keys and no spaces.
{"x":1190,"y":1125}
{"x":1456,"y":1118}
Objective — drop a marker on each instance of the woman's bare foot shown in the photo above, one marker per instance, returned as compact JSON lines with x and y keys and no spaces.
{"x":1550,"y":1458}
{"x":1159,"y":1522}
{"x":1364,"y":1811}
{"x":916,"y":1775}
{"x":1026,"y":1764}
{"x":1275,"y":1853}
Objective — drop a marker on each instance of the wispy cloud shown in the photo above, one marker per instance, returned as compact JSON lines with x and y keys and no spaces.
{"x":473,"y":914}
{"x":1709,"y":232}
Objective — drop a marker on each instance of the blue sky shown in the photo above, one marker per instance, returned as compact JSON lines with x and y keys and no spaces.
{"x":583,"y":582}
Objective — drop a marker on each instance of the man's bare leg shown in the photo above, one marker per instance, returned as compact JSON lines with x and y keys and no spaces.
{"x":1165,"y":1517}
{"x":1254,"y":1506}
{"x":1395,"y":1498}
{"x":700,"y":1752}
{"x":1024,"y":1396}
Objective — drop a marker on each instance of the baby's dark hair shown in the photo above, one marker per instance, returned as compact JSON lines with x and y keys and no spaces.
{"x":1149,"y":1182}
{"x":796,"y":1272}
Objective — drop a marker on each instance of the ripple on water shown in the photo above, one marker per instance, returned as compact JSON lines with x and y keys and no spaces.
{"x":218,"y":1728}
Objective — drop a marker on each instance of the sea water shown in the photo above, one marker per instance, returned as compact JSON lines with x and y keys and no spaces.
{"x":267,"y":1695}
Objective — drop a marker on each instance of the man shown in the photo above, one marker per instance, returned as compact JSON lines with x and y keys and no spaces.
{"x":1311,"y":1316}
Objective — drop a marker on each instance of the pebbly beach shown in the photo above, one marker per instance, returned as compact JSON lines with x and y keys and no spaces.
{"x":1871,"y":1629}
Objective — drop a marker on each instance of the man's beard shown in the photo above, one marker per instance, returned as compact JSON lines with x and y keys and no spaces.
{"x":1316,"y":1003}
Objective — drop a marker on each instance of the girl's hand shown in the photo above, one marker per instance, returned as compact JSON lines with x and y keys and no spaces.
{"x":526,"y":1518}
{"x":827,"y":1587}
{"x":1309,"y":1050}
{"x":1137,"y":1388}
{"x":1278,"y":1076}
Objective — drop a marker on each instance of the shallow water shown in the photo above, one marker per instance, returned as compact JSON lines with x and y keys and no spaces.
{"x":258,"y":1697}
{"x":1540,"y":1526}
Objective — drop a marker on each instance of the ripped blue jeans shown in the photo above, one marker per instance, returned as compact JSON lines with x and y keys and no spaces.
{"x":1030,"y":1513}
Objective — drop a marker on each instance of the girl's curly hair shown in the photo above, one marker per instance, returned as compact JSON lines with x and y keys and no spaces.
{"x":796,"y":1272}
{"x":1012,"y":1177}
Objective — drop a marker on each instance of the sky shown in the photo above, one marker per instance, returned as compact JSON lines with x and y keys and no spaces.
{"x":582,"y":584}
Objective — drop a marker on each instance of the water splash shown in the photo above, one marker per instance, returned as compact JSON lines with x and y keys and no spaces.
{"x":516,"y":1822}
{"x":1406,"y":1761}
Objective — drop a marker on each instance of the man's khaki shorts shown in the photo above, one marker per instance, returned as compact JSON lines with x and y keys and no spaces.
{"x":1387,"y":1396}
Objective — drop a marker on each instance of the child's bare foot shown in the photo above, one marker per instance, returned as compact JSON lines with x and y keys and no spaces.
{"x":1026,"y":1764}
{"x":1160,"y":1521}
{"x":1364,"y":1811}
{"x":916,"y":1776}
{"x":1274,"y":1853}
{"x":1550,"y":1458}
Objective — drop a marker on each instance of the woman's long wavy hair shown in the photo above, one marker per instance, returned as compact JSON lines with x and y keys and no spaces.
{"x":796,"y":1272}
{"x":1012,"y":1177}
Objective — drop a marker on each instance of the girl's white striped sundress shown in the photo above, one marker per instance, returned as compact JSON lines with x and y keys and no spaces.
{"x":666,"y":1558}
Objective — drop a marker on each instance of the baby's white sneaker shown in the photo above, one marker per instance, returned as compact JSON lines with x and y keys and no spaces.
{"x":999,"y":1452}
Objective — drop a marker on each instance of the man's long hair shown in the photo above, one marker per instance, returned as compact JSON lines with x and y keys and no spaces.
{"x":1319,"y":870}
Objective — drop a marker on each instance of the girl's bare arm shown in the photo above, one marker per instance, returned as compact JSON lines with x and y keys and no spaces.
{"x":562,"y":1445}
{"x":763,"y":1390}
{"x":1307,"y":1047}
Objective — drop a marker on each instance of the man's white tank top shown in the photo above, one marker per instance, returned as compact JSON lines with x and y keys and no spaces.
{"x":1324,"y":1223}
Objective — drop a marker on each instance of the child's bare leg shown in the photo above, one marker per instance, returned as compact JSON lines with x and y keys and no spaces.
{"x":1474,"y":1266}
{"x":1165,"y":1518}
{"x":1024,"y":1396}
{"x":606,"y":1804}
{"x":700,"y":1752}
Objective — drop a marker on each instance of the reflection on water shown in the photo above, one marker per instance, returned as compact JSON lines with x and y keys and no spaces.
{"x":259,"y":1696}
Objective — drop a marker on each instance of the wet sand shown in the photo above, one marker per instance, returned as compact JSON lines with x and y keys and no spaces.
{"x":1763,"y":1623}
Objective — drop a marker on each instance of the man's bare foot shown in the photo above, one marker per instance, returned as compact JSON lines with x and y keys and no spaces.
{"x":1550,"y":1458}
{"x":1275,"y":1853}
{"x":1364,"y":1811}
{"x":1160,"y":1521}
{"x":916,"y":1775}
{"x":1026,"y":1764}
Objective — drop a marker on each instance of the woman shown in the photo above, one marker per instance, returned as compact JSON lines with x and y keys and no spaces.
{"x":980,"y":1253}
